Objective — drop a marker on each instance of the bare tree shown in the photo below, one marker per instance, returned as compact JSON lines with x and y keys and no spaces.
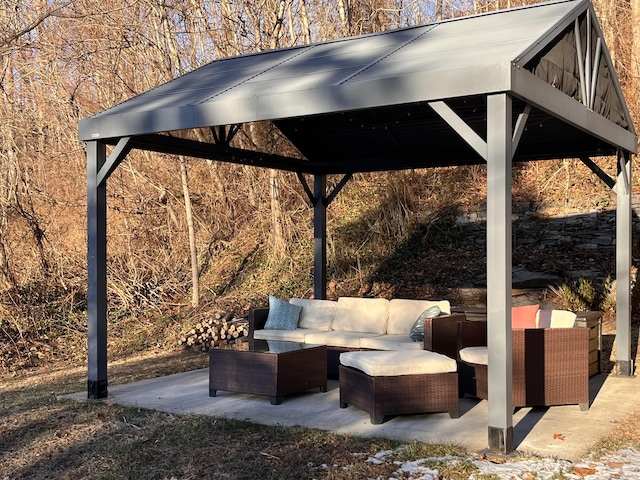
{"x":635,"y":49}
{"x":62,"y":60}
{"x":193,"y":248}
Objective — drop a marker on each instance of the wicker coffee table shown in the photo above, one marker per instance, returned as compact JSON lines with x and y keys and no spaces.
{"x":273,"y":369}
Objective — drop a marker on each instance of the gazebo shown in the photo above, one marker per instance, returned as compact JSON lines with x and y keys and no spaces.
{"x":530,"y":83}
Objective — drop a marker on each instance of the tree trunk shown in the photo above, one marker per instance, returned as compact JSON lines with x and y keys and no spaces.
{"x":7,"y":278}
{"x":195,"y":280}
{"x":305,"y":22}
{"x":277,"y":27}
{"x":345,"y":17}
{"x":279,"y":243}
{"x":635,"y":49}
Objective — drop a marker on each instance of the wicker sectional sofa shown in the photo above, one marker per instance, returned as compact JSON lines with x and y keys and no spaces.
{"x":354,"y":323}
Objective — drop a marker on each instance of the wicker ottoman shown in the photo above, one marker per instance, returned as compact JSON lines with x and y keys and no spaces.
{"x":385,"y":383}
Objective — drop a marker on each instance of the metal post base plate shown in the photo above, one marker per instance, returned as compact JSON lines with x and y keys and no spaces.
{"x":97,"y":389}
{"x":501,"y":440}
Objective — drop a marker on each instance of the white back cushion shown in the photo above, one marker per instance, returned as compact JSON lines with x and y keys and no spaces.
{"x":555,"y":319}
{"x":355,"y":314}
{"x":403,"y":313}
{"x":315,"y":314}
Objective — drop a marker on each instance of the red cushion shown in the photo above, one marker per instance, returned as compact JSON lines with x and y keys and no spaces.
{"x":524,"y":317}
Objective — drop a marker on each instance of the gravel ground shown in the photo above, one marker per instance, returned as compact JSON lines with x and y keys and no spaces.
{"x":623,"y":464}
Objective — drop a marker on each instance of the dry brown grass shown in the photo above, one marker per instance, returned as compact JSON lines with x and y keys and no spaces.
{"x":42,"y":437}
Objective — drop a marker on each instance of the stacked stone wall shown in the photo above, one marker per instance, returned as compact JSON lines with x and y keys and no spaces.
{"x":585,"y":230}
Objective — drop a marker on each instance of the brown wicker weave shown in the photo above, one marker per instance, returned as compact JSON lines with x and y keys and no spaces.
{"x":440,"y":334}
{"x":398,"y":395}
{"x":550,"y":365}
{"x":257,"y":319}
{"x":260,"y":372}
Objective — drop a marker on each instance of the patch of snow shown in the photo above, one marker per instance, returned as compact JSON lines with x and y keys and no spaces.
{"x":623,"y":464}
{"x":416,"y":471}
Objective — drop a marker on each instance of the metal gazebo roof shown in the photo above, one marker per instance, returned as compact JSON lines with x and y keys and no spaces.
{"x":530,"y":83}
{"x":378,"y":97}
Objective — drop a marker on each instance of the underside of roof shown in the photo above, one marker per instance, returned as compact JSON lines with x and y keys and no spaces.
{"x":407,"y":98}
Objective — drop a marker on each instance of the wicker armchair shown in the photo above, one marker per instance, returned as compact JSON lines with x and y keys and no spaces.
{"x":550,"y":365}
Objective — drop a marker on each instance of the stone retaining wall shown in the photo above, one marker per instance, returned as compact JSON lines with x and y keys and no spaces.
{"x":591,"y":230}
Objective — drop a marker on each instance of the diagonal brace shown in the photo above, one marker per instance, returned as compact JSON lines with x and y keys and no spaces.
{"x":602,"y":175}
{"x":329,"y":198}
{"x":519,"y":128}
{"x":307,"y":190}
{"x":460,"y":127}
{"x":118,"y":154}
{"x":224,"y":137}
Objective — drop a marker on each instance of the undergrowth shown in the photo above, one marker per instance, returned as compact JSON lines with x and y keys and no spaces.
{"x":391,"y":234}
{"x":584,"y":294}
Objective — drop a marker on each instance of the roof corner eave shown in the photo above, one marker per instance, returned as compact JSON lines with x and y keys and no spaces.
{"x":545,"y":97}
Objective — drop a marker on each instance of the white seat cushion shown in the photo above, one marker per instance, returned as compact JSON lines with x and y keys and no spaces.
{"x":477,"y":355}
{"x":393,"y":363}
{"x":390,"y":342}
{"x":338,"y":339}
{"x":316,"y":314}
{"x":403,"y":313}
{"x":296,"y":335}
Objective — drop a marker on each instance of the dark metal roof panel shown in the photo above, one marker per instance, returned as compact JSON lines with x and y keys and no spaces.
{"x":384,"y":68}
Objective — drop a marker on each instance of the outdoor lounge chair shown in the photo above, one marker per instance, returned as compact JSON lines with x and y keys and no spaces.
{"x":550,"y":365}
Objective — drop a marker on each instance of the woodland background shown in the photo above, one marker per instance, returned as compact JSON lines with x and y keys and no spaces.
{"x":188,"y":238}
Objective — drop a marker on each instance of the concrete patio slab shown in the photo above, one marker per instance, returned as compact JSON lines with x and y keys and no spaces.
{"x":561,"y":432}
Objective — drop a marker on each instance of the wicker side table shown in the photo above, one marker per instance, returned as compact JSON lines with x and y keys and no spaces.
{"x":269,"y":371}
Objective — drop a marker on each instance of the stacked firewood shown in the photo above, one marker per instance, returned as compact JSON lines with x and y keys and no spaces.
{"x":223,"y":331}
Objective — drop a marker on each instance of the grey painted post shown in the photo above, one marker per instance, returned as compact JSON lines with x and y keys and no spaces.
{"x":96,"y":272}
{"x":500,"y":369}
{"x":320,"y":237}
{"x":624,"y":362}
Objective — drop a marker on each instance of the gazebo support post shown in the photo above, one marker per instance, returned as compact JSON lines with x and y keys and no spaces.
{"x":624,"y":362}
{"x":499,"y":281}
{"x":319,"y":237}
{"x":96,"y":272}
